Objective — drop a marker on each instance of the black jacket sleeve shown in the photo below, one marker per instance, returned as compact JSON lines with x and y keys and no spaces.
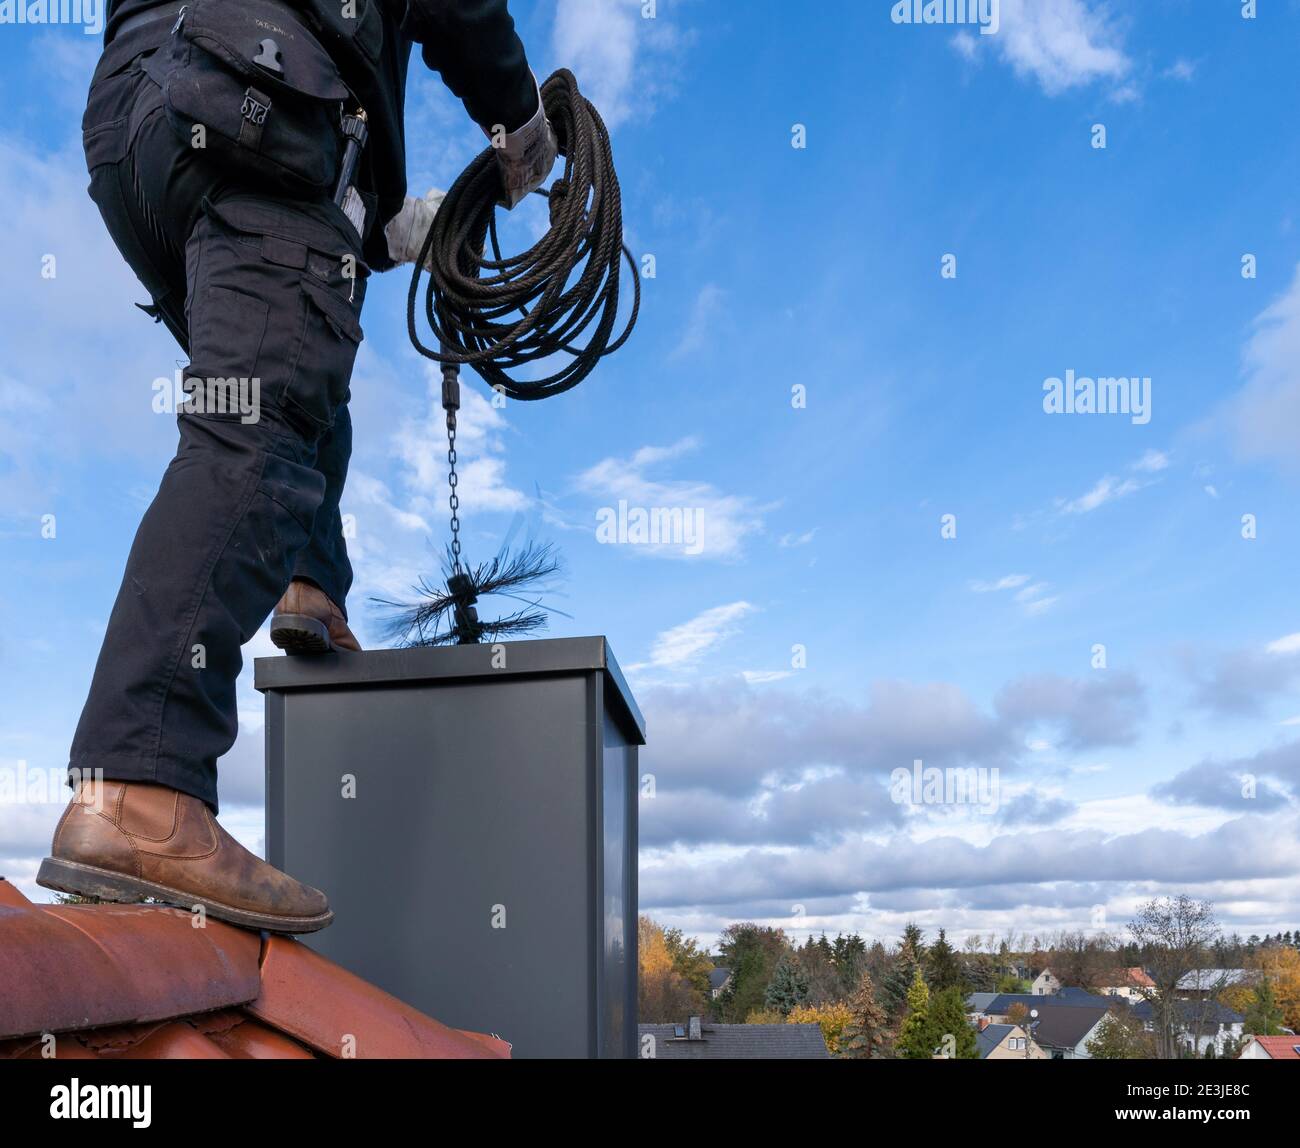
{"x":472,"y":44}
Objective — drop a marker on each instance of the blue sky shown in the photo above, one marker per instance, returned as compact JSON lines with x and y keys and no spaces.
{"x":816,"y":266}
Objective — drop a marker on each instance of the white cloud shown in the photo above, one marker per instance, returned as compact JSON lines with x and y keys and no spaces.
{"x":686,"y":644}
{"x":788,"y":540}
{"x":1151,"y":462}
{"x":723,"y":521}
{"x":421,"y":445}
{"x":624,"y":63}
{"x":1107,"y":489}
{"x":1264,"y":415}
{"x":1006,"y":582}
{"x":1290,"y":644}
{"x":1032,"y":596}
{"x":700,"y":325}
{"x":1062,"y":44}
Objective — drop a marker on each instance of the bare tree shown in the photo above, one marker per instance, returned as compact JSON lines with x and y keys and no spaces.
{"x":1174,"y":935}
{"x":1081,"y":959}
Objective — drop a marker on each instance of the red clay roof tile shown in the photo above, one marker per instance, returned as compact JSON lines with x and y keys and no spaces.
{"x":84,"y":966}
{"x":140,"y":981}
{"x":339,"y":1014}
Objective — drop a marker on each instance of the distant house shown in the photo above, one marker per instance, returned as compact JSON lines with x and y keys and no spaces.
{"x":1045,"y":984}
{"x":698,"y":1041}
{"x":1271,"y":1048}
{"x":1006,"y":1042}
{"x":997,"y":1006}
{"x":718,"y":980}
{"x":1203,"y":1024}
{"x":1063,"y":1031}
{"x":1128,"y":984}
{"x":1201,"y":984}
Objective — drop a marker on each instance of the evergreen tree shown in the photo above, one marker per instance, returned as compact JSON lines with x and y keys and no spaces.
{"x":788,"y":987}
{"x":902,"y":972}
{"x":866,"y":1036}
{"x":917,"y":1037}
{"x":948,"y":1018}
{"x":942,"y":968}
{"x":1263,"y":1017}
{"x":751,"y":952}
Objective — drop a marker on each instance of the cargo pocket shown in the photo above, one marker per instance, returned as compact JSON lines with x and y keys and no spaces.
{"x":227,"y":332}
{"x":330,"y":337}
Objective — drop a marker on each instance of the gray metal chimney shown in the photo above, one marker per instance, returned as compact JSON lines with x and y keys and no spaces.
{"x":693,"y":1030}
{"x":471,"y":812}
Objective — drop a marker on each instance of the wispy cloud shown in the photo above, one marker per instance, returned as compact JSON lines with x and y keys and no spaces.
{"x":686,"y":644}
{"x":1107,"y":489}
{"x":1062,"y":44}
{"x":1032,"y":596}
{"x":1006,"y":582}
{"x":700,"y":324}
{"x":721,"y":521}
{"x":625,"y":59}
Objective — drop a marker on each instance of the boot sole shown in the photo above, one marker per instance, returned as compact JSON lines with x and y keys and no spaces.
{"x":300,"y":634}
{"x":91,"y":881}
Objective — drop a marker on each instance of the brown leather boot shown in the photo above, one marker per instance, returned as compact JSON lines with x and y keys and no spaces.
{"x":127,"y":840}
{"x":306,"y":621}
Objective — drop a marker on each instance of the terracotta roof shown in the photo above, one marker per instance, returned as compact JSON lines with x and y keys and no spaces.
{"x":1135,"y":977}
{"x":1280,"y":1047}
{"x":140,"y":981}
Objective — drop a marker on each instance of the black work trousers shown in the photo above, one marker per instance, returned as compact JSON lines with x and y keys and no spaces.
{"x":263,"y":292}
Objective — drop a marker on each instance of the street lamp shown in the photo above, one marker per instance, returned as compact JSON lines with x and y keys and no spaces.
{"x":1029,"y":1029}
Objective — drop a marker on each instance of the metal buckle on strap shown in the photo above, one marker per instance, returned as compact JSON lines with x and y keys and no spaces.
{"x":172,"y":11}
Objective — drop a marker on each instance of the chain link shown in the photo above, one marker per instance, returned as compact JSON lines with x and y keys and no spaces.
{"x":454,"y":499}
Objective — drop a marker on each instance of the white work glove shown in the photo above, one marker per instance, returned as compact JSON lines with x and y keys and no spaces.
{"x":525,"y":156}
{"x":407,"y":230}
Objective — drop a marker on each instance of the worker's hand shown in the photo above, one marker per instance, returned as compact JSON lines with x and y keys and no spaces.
{"x":407,"y":230}
{"x":525,"y":156}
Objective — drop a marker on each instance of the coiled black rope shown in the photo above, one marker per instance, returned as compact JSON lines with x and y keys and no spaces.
{"x":499,"y":314}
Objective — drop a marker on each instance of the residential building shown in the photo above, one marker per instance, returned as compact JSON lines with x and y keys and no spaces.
{"x":719,"y":978}
{"x":1128,"y":984}
{"x":1203,"y":1025}
{"x":1202,"y":984}
{"x":698,"y":1041}
{"x":997,"y":1006}
{"x":1271,"y":1048}
{"x":1063,"y":1031}
{"x":1045,"y":984}
{"x":1006,"y":1042}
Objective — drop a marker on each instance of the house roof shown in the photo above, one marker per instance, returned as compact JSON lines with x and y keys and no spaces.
{"x":1132,"y":978}
{"x":739,"y":1042}
{"x":719,"y":977}
{"x":1193,"y":1013}
{"x":1067,"y":998}
{"x":141,"y":982}
{"x":1063,"y":1025}
{"x":989,"y":1037}
{"x":1205,"y":980}
{"x":1279,"y":1047}
{"x":979,"y":1002}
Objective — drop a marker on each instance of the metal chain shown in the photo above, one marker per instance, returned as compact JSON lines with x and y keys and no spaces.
{"x":454,"y":500}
